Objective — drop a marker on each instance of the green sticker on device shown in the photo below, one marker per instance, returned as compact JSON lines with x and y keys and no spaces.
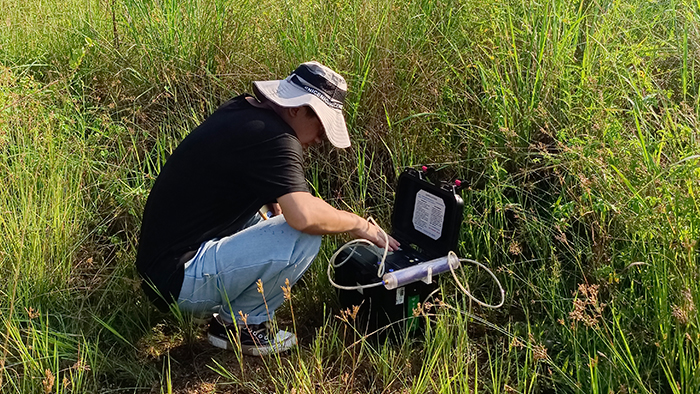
{"x":411,"y":305}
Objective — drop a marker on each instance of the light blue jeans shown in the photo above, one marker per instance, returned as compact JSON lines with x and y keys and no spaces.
{"x":223,"y":275}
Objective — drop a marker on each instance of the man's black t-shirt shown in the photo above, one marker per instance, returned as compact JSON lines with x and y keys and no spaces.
{"x":239,"y":159}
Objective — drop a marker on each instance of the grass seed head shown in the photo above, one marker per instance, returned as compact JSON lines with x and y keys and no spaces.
{"x":587,"y":308}
{"x":287,"y":290}
{"x":688,"y":299}
{"x":81,"y":366}
{"x":349,"y":314}
{"x":32,"y":313}
{"x":682,"y":316}
{"x":517,"y":343}
{"x":419,"y":310}
{"x":440,"y":303}
{"x":684,"y":312}
{"x":244,"y":317}
{"x":515,"y":248}
{"x":539,"y":352}
{"x":48,"y":381}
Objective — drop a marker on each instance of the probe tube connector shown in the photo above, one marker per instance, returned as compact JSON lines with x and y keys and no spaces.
{"x":423,"y":271}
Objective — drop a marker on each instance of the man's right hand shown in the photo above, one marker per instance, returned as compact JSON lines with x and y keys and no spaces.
{"x":375,"y":235}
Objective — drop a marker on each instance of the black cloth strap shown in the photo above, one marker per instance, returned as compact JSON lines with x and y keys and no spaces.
{"x":322,"y":84}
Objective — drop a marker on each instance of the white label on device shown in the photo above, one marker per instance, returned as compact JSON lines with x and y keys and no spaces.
{"x":400,"y":295}
{"x":429,"y":214}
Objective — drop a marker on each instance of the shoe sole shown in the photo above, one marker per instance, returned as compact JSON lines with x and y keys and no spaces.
{"x":220,"y":343}
{"x":282,"y":346}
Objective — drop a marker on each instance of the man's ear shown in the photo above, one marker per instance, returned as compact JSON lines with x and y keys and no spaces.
{"x":293,"y":111}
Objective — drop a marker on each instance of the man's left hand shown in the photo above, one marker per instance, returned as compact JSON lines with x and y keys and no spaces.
{"x":273,"y":208}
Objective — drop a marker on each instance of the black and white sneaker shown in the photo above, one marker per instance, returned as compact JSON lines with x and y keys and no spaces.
{"x":254,"y":339}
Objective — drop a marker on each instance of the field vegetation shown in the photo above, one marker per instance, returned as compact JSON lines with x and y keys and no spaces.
{"x":575,"y":126}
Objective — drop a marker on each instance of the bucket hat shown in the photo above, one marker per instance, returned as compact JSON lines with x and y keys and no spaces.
{"x":320,"y":88}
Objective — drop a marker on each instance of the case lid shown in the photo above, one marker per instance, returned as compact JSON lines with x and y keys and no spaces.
{"x":426,"y":215}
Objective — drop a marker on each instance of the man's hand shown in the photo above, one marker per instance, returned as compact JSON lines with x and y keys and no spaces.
{"x":375,"y":235}
{"x":273,"y":208}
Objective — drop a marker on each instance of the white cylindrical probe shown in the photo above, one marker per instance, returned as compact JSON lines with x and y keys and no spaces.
{"x":422,"y":271}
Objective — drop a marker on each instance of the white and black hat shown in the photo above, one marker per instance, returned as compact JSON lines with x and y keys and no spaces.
{"x":319,"y":87}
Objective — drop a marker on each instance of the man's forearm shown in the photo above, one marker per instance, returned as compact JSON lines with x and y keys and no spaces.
{"x":312,"y":215}
{"x":329,"y":220}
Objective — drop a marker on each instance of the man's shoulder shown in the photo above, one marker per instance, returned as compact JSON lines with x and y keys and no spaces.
{"x":238,"y":102}
{"x":241,"y":104}
{"x":240,"y":111}
{"x":239,"y":121}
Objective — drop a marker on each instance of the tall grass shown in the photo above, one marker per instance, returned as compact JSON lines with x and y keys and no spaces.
{"x":575,"y":126}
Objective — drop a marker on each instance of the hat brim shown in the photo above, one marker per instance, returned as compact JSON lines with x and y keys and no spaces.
{"x":286,"y":94}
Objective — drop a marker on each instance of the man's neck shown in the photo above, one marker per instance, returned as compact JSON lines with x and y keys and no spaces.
{"x":255,"y":103}
{"x":269,"y":105}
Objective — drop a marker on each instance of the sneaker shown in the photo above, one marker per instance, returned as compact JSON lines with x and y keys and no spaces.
{"x":254,"y":339}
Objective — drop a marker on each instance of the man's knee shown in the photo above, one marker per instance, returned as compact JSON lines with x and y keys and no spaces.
{"x":312,"y":242}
